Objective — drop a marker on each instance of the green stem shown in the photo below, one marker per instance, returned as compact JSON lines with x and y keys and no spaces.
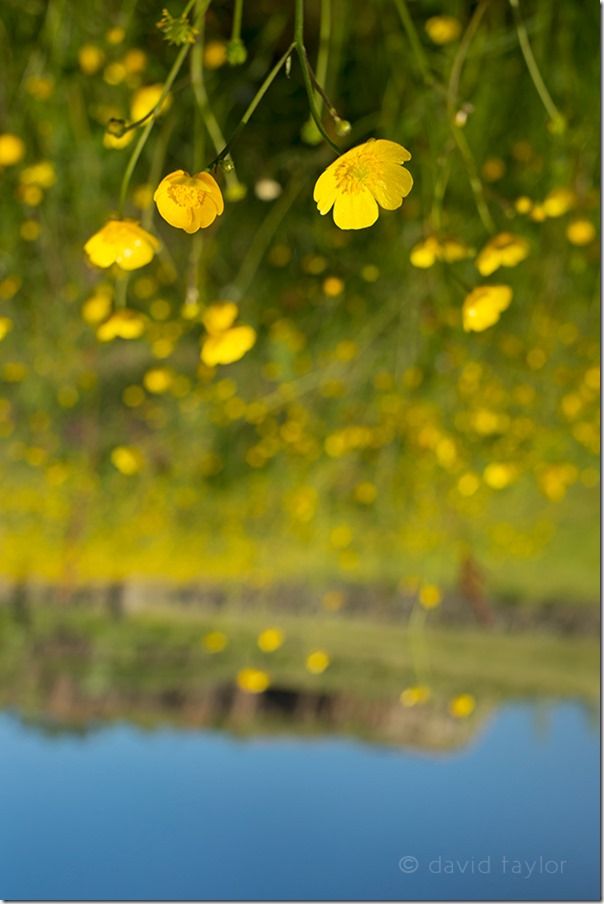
{"x":306,"y":72}
{"x":323,"y":55}
{"x":414,"y":41}
{"x":531,"y":65}
{"x":237,"y":19}
{"x":270,"y":78}
{"x":182,"y":55}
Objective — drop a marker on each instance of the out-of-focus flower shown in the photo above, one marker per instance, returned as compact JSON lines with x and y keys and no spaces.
{"x":158,"y":380}
{"x":450,"y":250}
{"x":558,"y":202}
{"x":214,"y":54}
{"x":146,"y":99}
{"x":483,"y":307}
{"x":135,"y":60}
{"x":189,"y":202}
{"x":121,"y":242}
{"x":493,"y":169}
{"x":6,"y":326}
{"x":40,"y":174}
{"x":270,"y":639}
{"x":214,"y":641}
{"x":90,"y":58}
{"x":39,"y":86}
{"x":412,"y":696}
{"x":580,"y":232}
{"x":127,"y":459}
{"x":430,"y":596}
{"x":361,"y":179}
{"x":124,"y":324}
{"x":317,"y":662}
{"x":443,"y":29}
{"x":462,"y":706}
{"x":499,"y":475}
{"x":503,"y":250}
{"x":96,"y":308}
{"x":225,"y":343}
{"x":115,"y":35}
{"x":253,"y":681}
{"x":12,"y":149}
{"x":267,"y":189}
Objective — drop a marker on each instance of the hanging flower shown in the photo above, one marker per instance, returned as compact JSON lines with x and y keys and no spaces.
{"x":225,"y":343}
{"x":121,"y":242}
{"x":503,"y":250}
{"x":483,"y":306}
{"x":361,"y":179}
{"x":189,"y":202}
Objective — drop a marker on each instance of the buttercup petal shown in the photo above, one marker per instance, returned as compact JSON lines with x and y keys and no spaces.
{"x":356,"y":210}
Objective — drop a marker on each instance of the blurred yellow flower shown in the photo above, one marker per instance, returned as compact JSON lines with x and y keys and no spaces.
{"x":430,"y":596}
{"x":214,"y":641}
{"x":12,"y":149}
{"x":189,"y":202}
{"x":426,"y":253}
{"x":580,"y":232}
{"x":40,"y":174}
{"x":124,"y":324}
{"x":121,"y":242}
{"x":214,"y":54}
{"x":127,"y":459}
{"x":499,"y":475}
{"x":225,"y":343}
{"x":39,"y":86}
{"x":317,"y":662}
{"x":270,"y":640}
{"x":443,"y":29}
{"x":483,"y":306}
{"x":158,"y":380}
{"x":145,"y":100}
{"x":503,"y":250}
{"x":361,"y":179}
{"x":135,"y":60}
{"x":6,"y":326}
{"x":462,"y":706}
{"x":117,"y":142}
{"x":97,"y":307}
{"x":558,"y":202}
{"x":90,"y":58}
{"x":253,"y":681}
{"x":412,"y":696}
{"x":493,"y":169}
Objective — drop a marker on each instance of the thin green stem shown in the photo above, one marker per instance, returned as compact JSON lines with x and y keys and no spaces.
{"x":413,"y":38}
{"x":270,"y":78}
{"x":237,"y":19}
{"x":182,"y":55}
{"x":323,"y":54}
{"x":306,"y":72}
{"x":531,"y":65}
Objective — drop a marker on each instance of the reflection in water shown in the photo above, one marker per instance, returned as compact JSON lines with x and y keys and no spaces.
{"x":182,"y":814}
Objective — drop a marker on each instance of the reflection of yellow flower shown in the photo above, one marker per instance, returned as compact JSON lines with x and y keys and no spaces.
{"x":360,"y":180}
{"x":127,"y":459}
{"x":124,"y":324}
{"x":503,"y":250}
{"x":443,"y":29}
{"x":253,"y":681}
{"x":483,"y":306}
{"x":225,"y":343}
{"x":12,"y":149}
{"x":121,"y":242}
{"x":317,"y":662}
{"x":270,"y":640}
{"x":462,"y":706}
{"x":214,"y":641}
{"x":411,"y":696}
{"x":189,"y":202}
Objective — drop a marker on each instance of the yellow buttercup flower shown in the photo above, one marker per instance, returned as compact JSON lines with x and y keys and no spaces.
{"x":462,"y":706}
{"x":443,"y":29}
{"x":40,"y":174}
{"x":503,"y":250}
{"x":90,"y":58}
{"x":127,"y":459}
{"x":145,"y":100}
{"x":317,"y":662}
{"x":558,"y":202}
{"x":121,"y":242}
{"x":225,"y":343}
{"x":12,"y":149}
{"x":426,"y":253}
{"x":361,"y":179}
{"x":189,"y":202}
{"x":483,"y":306}
{"x":580,"y":232}
{"x":270,"y":640}
{"x":124,"y":324}
{"x":253,"y":681}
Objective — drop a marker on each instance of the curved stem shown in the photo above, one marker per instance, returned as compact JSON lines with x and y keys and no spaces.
{"x":306,"y":72}
{"x":531,"y":64}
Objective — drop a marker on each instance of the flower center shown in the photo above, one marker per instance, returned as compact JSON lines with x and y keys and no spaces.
{"x":187,"y":194}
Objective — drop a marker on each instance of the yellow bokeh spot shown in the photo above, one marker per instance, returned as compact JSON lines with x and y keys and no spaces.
{"x":90,"y":58}
{"x":146,"y":99}
{"x":558,"y":202}
{"x":30,"y":230}
{"x":462,"y":706}
{"x":413,"y":696}
{"x":158,"y":380}
{"x":365,"y":492}
{"x":443,"y":29}
{"x":214,"y":641}
{"x":127,"y":459}
{"x":214,"y":54}
{"x":270,"y":640}
{"x":503,"y":250}
{"x":468,"y":484}
{"x":317,"y":662}
{"x":333,"y":286}
{"x":12,"y":149}
{"x":493,"y":169}
{"x":253,"y":681}
{"x":96,"y":308}
{"x":6,"y":325}
{"x":483,"y":307}
{"x":124,"y":324}
{"x":430,"y":596}
{"x":580,"y":232}
{"x":499,"y":475}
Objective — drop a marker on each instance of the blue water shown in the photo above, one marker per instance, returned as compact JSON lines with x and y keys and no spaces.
{"x":122,"y":813}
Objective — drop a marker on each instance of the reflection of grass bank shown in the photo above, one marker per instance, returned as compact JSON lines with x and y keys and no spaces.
{"x":160,"y":653}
